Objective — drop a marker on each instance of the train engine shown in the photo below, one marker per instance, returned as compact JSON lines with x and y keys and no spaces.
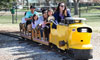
{"x":73,"y":35}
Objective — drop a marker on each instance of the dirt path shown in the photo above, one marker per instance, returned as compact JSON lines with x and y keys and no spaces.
{"x":14,"y":49}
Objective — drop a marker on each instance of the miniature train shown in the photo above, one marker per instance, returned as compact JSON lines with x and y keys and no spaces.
{"x":70,"y":34}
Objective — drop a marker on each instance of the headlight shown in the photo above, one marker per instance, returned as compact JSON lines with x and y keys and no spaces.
{"x":83,"y":30}
{"x":77,"y":21}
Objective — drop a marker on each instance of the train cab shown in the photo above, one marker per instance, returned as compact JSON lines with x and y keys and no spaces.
{"x":73,"y":35}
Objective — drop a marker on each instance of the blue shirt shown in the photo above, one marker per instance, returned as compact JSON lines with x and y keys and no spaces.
{"x":58,"y":17}
{"x":30,"y":14}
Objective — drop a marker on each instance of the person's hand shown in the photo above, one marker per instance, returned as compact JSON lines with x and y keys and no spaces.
{"x":40,"y":24}
{"x":31,"y":18}
{"x":45,"y":22}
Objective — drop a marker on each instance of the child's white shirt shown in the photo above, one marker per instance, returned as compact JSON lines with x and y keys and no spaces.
{"x":23,"y":20}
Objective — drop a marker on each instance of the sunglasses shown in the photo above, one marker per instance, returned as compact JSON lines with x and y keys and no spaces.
{"x":62,"y":5}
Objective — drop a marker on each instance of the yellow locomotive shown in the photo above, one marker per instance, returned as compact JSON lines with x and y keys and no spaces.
{"x":71,"y":34}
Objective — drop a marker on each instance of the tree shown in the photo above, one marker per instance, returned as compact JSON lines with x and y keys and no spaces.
{"x":27,"y":4}
{"x":47,"y":2}
{"x":5,"y":3}
{"x":62,"y":1}
{"x":76,"y":6}
{"x":96,"y":1}
{"x":69,"y":4}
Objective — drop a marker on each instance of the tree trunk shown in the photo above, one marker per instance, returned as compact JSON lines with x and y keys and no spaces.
{"x":23,"y":2}
{"x":76,"y":6}
{"x":39,"y":2}
{"x":27,"y":5}
{"x":47,"y":2}
{"x":69,"y":4}
{"x":54,"y":1}
{"x":87,"y":8}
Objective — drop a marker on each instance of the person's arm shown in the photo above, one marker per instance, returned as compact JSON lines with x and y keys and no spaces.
{"x":27,"y":17}
{"x":56,"y":16}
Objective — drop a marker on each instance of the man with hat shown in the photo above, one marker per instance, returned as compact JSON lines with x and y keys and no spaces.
{"x":29,"y":15}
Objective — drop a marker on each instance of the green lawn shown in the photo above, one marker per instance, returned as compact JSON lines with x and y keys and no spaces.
{"x":7,"y":19}
{"x":93,"y":19}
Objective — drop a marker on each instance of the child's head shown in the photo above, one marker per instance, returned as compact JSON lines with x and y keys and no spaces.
{"x":35,"y":17}
{"x":44,"y":13}
{"x":50,"y":12}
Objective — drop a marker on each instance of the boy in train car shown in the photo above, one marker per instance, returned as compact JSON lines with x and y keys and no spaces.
{"x":45,"y":24}
{"x":41,"y":23}
{"x":29,"y":15}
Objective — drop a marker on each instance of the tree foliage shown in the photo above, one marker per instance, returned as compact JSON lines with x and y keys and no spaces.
{"x":5,"y":3}
{"x":62,"y":1}
{"x":76,"y":6}
{"x":96,"y":1}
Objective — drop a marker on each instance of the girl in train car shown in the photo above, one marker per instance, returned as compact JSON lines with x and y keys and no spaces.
{"x":34,"y":21}
{"x":50,"y":12}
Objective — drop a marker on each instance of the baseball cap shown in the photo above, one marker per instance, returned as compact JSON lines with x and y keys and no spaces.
{"x":32,"y":7}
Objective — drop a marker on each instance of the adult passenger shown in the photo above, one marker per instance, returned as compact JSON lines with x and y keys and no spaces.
{"x":29,"y":15}
{"x":61,"y":12}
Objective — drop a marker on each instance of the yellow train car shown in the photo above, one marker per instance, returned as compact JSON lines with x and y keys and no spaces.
{"x":71,"y":34}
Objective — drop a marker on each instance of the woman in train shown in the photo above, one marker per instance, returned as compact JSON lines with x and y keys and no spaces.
{"x":61,"y":12}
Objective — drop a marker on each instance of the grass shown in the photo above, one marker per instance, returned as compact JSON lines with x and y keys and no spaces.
{"x":93,"y":19}
{"x":7,"y":19}
{"x":90,"y":10}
